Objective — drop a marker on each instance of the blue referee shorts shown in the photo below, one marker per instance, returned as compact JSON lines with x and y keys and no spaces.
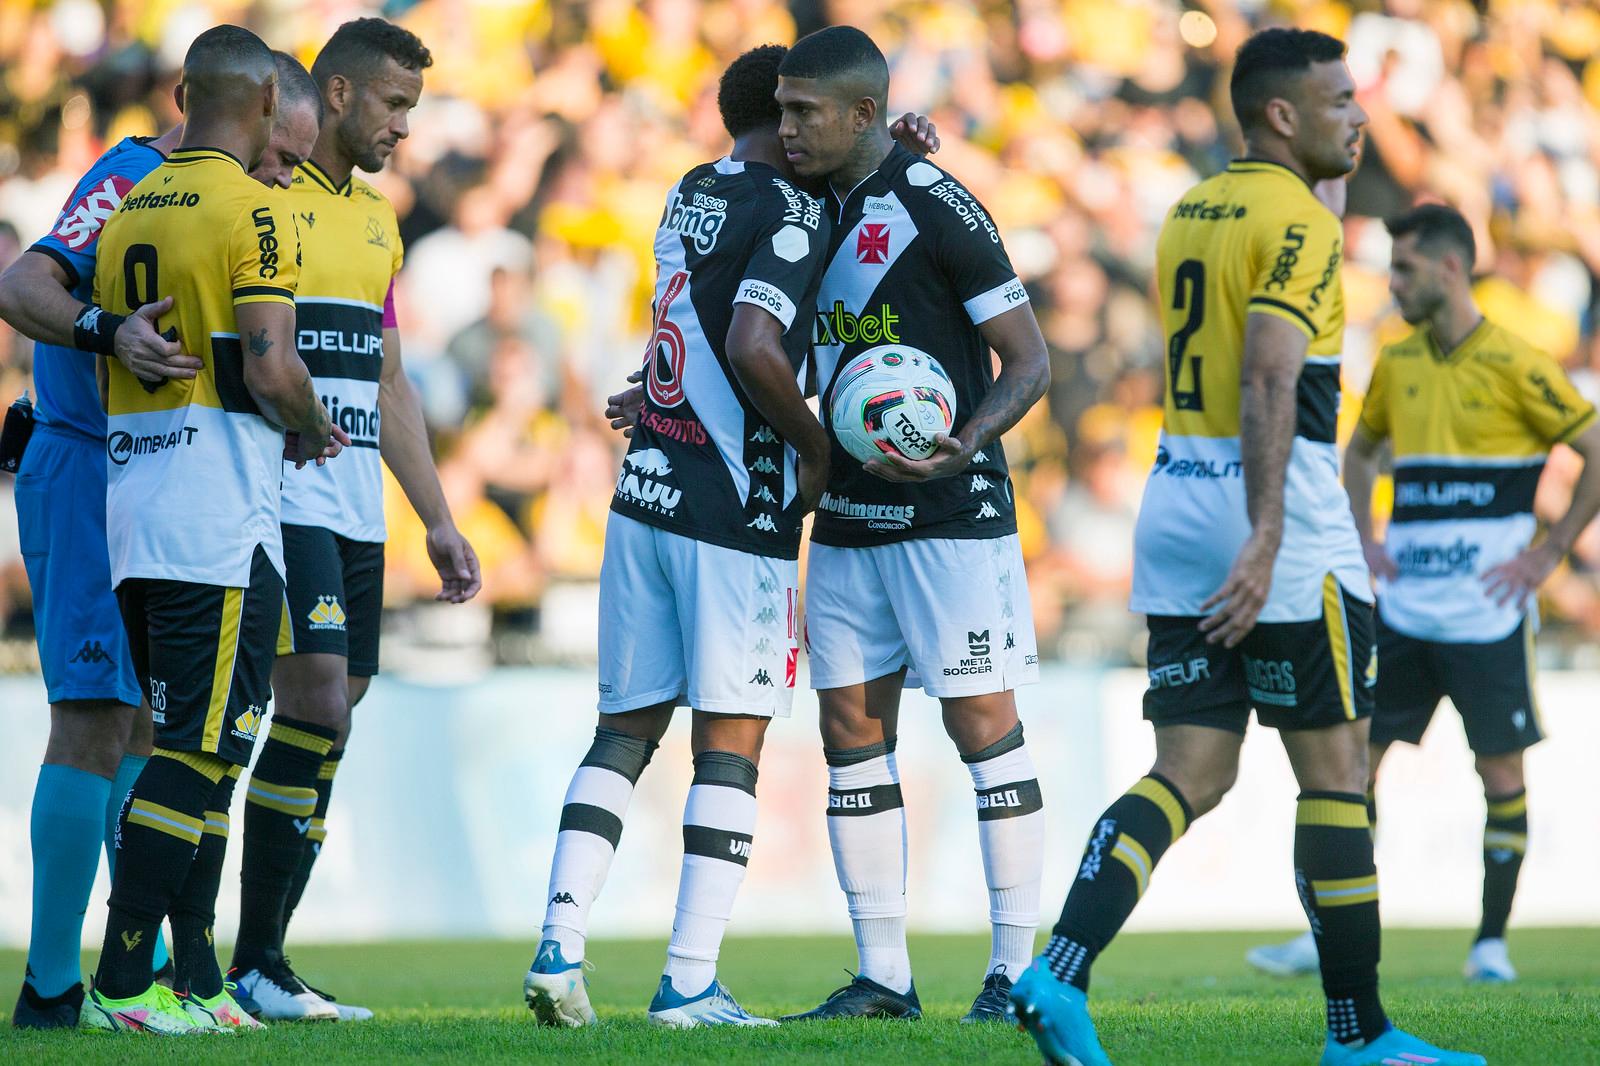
{"x":61,"y":519}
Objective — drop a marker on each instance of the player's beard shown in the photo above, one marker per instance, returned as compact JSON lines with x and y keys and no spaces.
{"x":363,"y":153}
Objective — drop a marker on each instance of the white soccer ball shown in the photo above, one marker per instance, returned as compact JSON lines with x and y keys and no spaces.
{"x":892,"y":399}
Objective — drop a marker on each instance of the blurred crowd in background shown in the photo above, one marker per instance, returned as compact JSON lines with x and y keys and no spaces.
{"x":549,"y":131}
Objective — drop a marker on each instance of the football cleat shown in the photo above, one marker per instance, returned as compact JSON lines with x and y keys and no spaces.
{"x":281,"y":995}
{"x":1056,"y":1015}
{"x":219,"y":1013}
{"x":1292,"y":958}
{"x":863,"y":998}
{"x":714,"y":1006}
{"x":1395,"y":1048}
{"x":34,"y":1011}
{"x":347,"y":1012}
{"x":556,"y":990}
{"x":994,"y":1001}
{"x":1489,"y":963}
{"x":156,"y":1010}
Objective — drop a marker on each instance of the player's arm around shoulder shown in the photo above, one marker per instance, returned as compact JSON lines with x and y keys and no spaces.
{"x":264,"y":271}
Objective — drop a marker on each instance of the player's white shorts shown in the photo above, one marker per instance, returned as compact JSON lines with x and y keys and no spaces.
{"x":956,"y":612}
{"x":702,"y":625}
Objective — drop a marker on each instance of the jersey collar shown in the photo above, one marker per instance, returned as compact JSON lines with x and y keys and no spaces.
{"x":1251,"y":165}
{"x":894,"y":163}
{"x":197,"y":152}
{"x":1474,"y":337}
{"x":320,"y":177}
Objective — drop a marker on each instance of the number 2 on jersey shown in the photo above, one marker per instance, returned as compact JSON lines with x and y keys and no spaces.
{"x":1188,"y":291}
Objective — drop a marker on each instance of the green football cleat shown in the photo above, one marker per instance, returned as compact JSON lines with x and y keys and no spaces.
{"x":220,"y":1013}
{"x":156,"y":1010}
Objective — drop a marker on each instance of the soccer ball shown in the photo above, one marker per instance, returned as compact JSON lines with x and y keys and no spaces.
{"x":892,"y":399}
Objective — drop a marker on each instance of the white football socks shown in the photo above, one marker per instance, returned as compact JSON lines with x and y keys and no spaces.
{"x":867,"y":829}
{"x":1011,"y":838}
{"x":719,"y":818}
{"x":591,"y":825}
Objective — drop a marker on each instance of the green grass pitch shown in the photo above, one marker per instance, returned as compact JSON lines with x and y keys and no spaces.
{"x":1159,"y":999}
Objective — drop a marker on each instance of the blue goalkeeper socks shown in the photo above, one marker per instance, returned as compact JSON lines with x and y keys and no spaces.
{"x":127,"y":773}
{"x":68,"y":814}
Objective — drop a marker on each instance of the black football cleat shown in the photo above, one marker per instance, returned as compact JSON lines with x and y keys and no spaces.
{"x":57,"y":1012}
{"x":863,"y":998}
{"x":994,"y":1001}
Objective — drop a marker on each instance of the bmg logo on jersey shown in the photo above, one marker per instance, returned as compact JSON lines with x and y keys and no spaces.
{"x":701,"y":220}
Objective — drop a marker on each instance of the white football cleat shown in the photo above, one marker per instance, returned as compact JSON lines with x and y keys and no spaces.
{"x":1292,"y":958}
{"x":283,"y":997}
{"x":556,"y":990}
{"x":1489,"y":963}
{"x":714,"y":1006}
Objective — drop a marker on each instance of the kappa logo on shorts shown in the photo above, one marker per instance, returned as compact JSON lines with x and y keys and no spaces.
{"x":91,"y":654}
{"x":762,"y":678}
{"x":980,"y":484}
{"x":248,"y":724}
{"x":766,"y":617}
{"x":767,"y":584}
{"x":327,"y":614}
{"x":764,"y":646}
{"x":764,"y":435}
{"x":988,"y":511}
{"x":1011,"y":641}
{"x":763,"y":522}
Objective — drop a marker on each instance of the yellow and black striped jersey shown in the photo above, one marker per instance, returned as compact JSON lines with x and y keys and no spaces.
{"x":1250,"y":240}
{"x":194,"y":467}
{"x":1471,"y":429}
{"x":351,"y":251}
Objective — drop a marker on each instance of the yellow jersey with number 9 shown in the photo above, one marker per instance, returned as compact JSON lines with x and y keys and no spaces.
{"x":194,"y":468}
{"x":1250,"y":240}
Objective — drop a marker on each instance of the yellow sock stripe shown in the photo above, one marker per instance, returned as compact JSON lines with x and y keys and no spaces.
{"x":318,"y":831}
{"x":1500,"y":839}
{"x":1339,"y":642}
{"x":217,"y":823}
{"x":1515,"y":807}
{"x":165,"y":820}
{"x":295,"y":802}
{"x":1346,"y":891}
{"x":204,"y":763}
{"x":1164,"y":798}
{"x":326,"y":771}
{"x":1131,"y":854}
{"x":1340,"y":814}
{"x":222,"y":670}
{"x":234,"y":772}
{"x":299,"y":738}
{"x":285,"y":629}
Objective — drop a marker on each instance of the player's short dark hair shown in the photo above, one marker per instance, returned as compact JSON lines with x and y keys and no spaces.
{"x":840,"y":53}
{"x":745,"y":96}
{"x":358,"y":48}
{"x":295,"y":85}
{"x":1439,"y":227}
{"x":1269,"y":62}
{"x":224,"y":50}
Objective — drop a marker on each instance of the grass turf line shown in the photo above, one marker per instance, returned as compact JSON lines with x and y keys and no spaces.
{"x":1158,"y":999}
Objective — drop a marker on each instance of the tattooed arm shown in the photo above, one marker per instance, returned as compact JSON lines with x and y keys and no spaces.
{"x":279,"y":383}
{"x":1024,"y":376}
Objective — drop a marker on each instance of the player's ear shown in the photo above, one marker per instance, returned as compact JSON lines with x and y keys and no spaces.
{"x":269,"y":97}
{"x":866,"y":113}
{"x":337,"y":94}
{"x":177,"y":96}
{"x":1282,"y":117}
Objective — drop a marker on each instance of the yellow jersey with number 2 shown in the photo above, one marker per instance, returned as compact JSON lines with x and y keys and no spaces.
{"x":1251,"y":240}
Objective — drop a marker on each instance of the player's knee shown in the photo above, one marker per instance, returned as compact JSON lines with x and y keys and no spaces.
{"x":1501,"y":774}
{"x":89,"y":736}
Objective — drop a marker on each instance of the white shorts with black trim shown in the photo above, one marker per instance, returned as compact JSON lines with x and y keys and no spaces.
{"x":955,"y":612}
{"x":694,"y":623}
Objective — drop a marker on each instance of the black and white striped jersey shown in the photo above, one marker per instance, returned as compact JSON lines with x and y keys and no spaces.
{"x":703,"y":462}
{"x":916,"y":260}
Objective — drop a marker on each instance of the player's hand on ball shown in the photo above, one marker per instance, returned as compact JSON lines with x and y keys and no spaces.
{"x":452,"y":556}
{"x":1519,"y":577}
{"x":623,"y":407}
{"x":915,"y":133}
{"x":1238,"y":602}
{"x":949,"y":458}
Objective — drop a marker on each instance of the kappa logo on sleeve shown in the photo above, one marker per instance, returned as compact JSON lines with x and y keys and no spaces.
{"x":82,"y":220}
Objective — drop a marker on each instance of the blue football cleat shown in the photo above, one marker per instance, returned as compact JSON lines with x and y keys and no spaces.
{"x":1056,"y":1015}
{"x":714,"y":1006}
{"x":1396,"y":1048}
{"x":556,"y":990}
